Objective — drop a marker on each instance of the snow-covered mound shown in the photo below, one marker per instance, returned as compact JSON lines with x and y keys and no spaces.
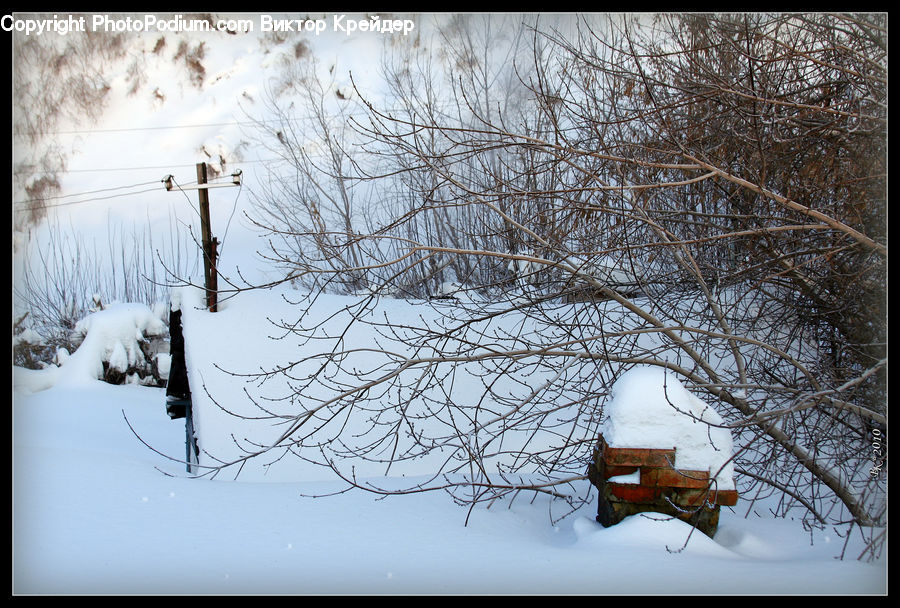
{"x":651,"y":408}
{"x":112,"y":342}
{"x":114,"y":336}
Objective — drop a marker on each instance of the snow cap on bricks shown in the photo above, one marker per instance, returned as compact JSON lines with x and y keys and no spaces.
{"x":650,"y":408}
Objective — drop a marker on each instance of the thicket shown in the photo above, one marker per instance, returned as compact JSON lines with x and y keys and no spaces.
{"x":62,"y":277}
{"x":714,"y":182}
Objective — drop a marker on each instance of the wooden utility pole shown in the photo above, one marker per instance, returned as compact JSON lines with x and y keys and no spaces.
{"x":210,"y":244}
{"x":209,"y":250}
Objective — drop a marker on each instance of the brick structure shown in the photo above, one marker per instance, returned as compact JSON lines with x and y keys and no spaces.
{"x":687,"y":495}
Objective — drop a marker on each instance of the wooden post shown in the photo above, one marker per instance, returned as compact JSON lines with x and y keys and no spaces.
{"x":213,"y":275}
{"x":209,"y":244}
{"x":209,"y":249}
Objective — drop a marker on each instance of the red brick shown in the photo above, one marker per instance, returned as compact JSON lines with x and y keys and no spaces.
{"x":624,"y":456}
{"x":660,"y":458}
{"x":672,"y":478}
{"x":638,"y":457}
{"x":689,"y":488}
{"x":650,"y":476}
{"x":693,"y":497}
{"x":666,"y":477}
{"x":727,"y":498}
{"x":635,"y":456}
{"x":633,"y":492}
{"x":614,"y":471}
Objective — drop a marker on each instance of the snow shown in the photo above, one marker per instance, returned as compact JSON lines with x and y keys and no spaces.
{"x":631,"y":478}
{"x":611,"y":271}
{"x":27,"y":336}
{"x":110,"y":510}
{"x":112,"y":335}
{"x":27,"y":381}
{"x":224,"y":350}
{"x":163,"y":363}
{"x":651,"y":408}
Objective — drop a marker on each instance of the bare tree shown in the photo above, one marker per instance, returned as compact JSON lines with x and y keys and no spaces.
{"x":313,"y":211}
{"x":711,"y":191}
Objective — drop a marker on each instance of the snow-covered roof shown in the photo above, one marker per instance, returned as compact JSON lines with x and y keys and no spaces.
{"x":250,"y":376}
{"x":238,"y":406}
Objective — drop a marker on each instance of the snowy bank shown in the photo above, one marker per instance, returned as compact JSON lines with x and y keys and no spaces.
{"x":255,"y":365}
{"x":111,"y":339}
{"x":97,"y":512}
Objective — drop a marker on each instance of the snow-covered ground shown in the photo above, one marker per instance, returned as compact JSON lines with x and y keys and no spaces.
{"x":97,"y":511}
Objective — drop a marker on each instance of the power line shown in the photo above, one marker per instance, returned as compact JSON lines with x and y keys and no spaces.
{"x":34,"y":207}
{"x":157,"y":128}
{"x":39,"y":203}
{"x":347,"y":114}
{"x":233,"y":123}
{"x":177,"y":185}
{"x":148,"y":167}
{"x":48,"y":198}
{"x":112,"y":169}
{"x":90,"y":200}
{"x":233,"y":209}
